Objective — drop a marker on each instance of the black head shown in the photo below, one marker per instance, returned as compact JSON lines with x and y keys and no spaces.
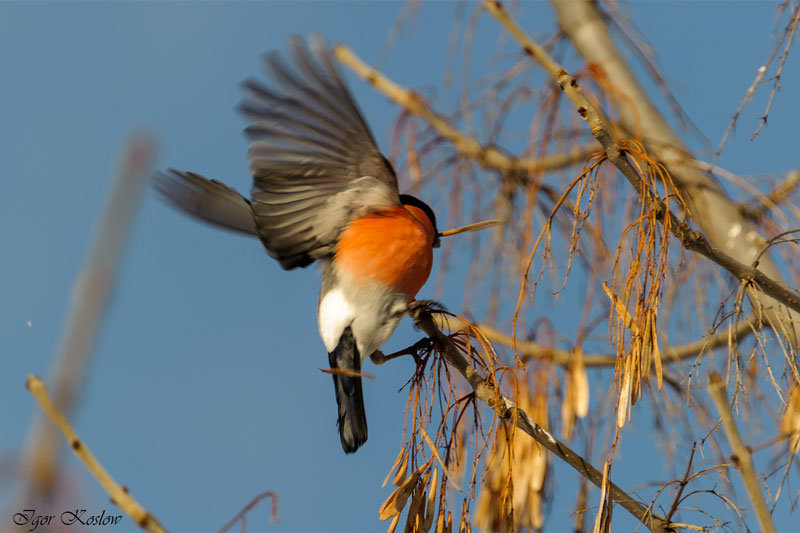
{"x":407,"y":199}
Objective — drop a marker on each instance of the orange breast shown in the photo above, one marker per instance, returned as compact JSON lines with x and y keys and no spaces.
{"x":393,"y":248}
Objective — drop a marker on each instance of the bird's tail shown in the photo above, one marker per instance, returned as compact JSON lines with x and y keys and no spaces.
{"x":349,"y":397}
{"x":208,"y":200}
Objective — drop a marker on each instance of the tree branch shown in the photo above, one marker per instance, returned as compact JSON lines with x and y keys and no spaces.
{"x":741,"y":455}
{"x":508,"y":410}
{"x":240,"y":516}
{"x":777,"y":195}
{"x":488,"y":157}
{"x":691,"y":239}
{"x":535,"y":350}
{"x":732,"y":242}
{"x":119,"y":495}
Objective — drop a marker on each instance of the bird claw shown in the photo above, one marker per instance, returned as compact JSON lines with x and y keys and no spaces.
{"x":424,"y":305}
{"x":379,"y":358}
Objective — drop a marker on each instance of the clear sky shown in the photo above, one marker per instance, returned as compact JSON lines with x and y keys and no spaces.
{"x":204,"y":388}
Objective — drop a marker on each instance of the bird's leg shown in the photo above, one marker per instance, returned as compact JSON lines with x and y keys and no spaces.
{"x":379,"y":358}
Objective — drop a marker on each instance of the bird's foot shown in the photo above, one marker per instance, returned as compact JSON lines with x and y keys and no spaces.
{"x":378,"y":357}
{"x":424,"y":305}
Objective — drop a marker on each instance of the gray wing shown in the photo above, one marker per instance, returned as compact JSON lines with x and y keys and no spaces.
{"x":314,"y":161}
{"x":208,"y":200}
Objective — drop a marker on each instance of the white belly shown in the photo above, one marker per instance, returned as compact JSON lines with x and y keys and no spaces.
{"x":371,"y":311}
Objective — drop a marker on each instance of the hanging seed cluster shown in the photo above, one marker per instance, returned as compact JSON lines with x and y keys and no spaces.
{"x":513,"y":485}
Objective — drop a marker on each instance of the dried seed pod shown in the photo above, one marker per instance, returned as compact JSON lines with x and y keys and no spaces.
{"x":624,"y":395}
{"x":790,"y":422}
{"x":393,"y":525}
{"x":440,"y":521}
{"x":416,"y":507}
{"x":462,"y":526}
{"x":428,"y":522}
{"x":580,"y":383}
{"x":400,"y":458}
{"x":396,"y":501}
{"x":402,"y":469}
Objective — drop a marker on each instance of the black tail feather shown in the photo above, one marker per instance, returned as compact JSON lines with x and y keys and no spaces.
{"x":352,"y":419}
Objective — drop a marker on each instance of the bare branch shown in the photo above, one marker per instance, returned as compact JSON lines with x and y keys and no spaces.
{"x":535,"y":350}
{"x":741,"y":455}
{"x":273,"y":514}
{"x":776,"y":83}
{"x":751,"y":91}
{"x":118,"y":494}
{"x":489,"y":157}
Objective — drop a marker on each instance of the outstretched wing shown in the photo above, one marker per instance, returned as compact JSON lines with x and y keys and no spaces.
{"x":314,"y":161}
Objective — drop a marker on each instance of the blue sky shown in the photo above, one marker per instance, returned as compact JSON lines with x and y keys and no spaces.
{"x":204,"y":388}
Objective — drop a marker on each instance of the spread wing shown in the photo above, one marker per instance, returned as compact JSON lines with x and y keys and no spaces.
{"x":314,"y":161}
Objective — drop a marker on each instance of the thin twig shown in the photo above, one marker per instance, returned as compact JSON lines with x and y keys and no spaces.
{"x":273,"y":514}
{"x":741,"y":455}
{"x":535,"y":350}
{"x":119,"y":495}
{"x":778,"y":194}
{"x":751,"y":91}
{"x":776,"y":84}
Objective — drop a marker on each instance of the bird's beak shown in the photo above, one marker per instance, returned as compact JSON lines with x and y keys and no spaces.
{"x":477,"y":226}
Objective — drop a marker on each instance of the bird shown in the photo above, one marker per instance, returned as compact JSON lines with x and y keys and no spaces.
{"x":323,"y":193}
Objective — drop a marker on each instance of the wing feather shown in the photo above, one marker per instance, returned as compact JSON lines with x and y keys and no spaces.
{"x":314,"y":161}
